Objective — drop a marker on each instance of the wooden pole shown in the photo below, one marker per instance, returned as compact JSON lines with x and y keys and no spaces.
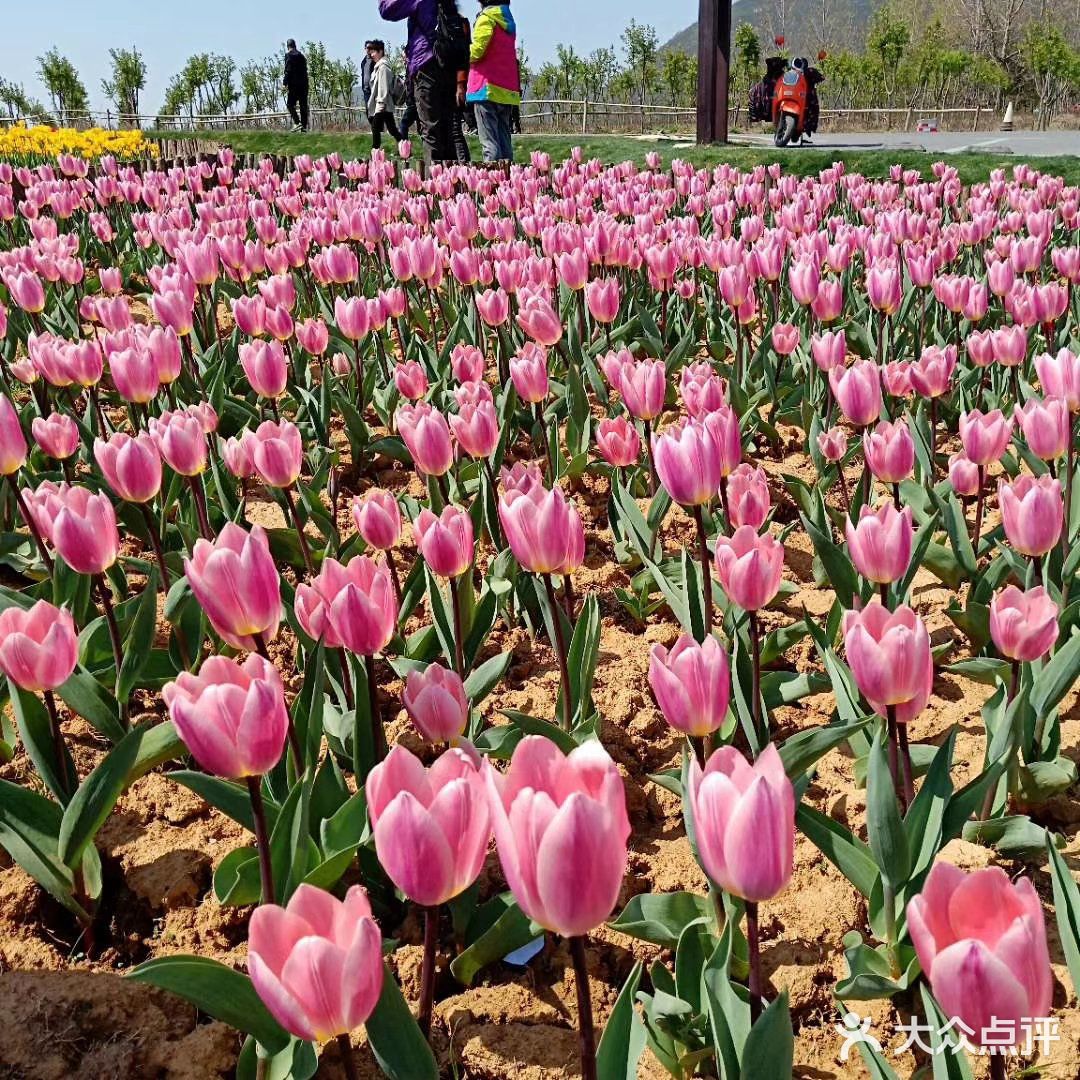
{"x":714,"y":62}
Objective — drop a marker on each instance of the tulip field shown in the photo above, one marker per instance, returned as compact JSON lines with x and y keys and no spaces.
{"x":584,"y":619}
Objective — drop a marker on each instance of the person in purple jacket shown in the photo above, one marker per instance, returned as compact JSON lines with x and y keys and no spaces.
{"x":434,"y":84}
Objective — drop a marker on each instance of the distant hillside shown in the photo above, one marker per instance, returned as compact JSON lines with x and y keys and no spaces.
{"x":801,"y":22}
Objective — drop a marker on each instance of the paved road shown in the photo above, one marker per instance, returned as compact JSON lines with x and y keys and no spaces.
{"x":1021,"y":144}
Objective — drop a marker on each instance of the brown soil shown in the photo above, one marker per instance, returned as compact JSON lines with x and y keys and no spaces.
{"x":68,"y":1016}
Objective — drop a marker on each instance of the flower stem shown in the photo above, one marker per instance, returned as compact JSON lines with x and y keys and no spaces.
{"x":755,"y":645}
{"x":63,"y":764}
{"x":155,"y":543}
{"x":346,"y":681}
{"x":998,"y":1068}
{"x":890,"y":731}
{"x":905,"y":765}
{"x":977,"y":535}
{"x":43,"y":551}
{"x":114,"y":635}
{"x":396,"y":581}
{"x":560,"y":649}
{"x":294,"y":739}
{"x":586,"y":1032}
{"x":706,"y":570}
{"x":459,"y":631}
{"x":347,"y":1063}
{"x":200,"y":507}
{"x":262,"y":838}
{"x":294,"y":514}
{"x":427,"y":970}
{"x":378,"y":734}
{"x":753,"y":943}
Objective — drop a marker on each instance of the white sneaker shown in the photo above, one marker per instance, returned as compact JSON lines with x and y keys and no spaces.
{"x":295,"y":127}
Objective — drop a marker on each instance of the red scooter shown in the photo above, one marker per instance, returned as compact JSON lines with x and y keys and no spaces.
{"x":789,"y":106}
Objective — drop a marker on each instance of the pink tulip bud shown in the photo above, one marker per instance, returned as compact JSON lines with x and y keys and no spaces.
{"x":748,"y":501}
{"x":410,"y":380}
{"x":931,"y":375}
{"x":493,"y":306}
{"x":890,"y":451}
{"x":529,"y":373}
{"x":1032,"y":512}
{"x":573,"y":269}
{"x":883,"y":288}
{"x":833,"y":444}
{"x":57,"y":435}
{"x":378,"y":519}
{"x":702,"y":390}
{"x":880,"y":543}
{"x":436,"y":703}
{"x":317,"y":963}
{"x":445,"y":542}
{"x":618,"y":441}
{"x":1046,"y":425}
{"x":744,"y":822}
{"x":236,"y":583}
{"x":476,"y":428}
{"x":540,"y":321}
{"x":551,"y":814}
{"x":136,"y":374}
{"x":84,"y":531}
{"x":985,"y":436}
{"x":38,"y":646}
{"x":1060,"y":377}
{"x":313,"y":336}
{"x":963,"y":474}
{"x":543,"y":528}
{"x":643,"y":385}
{"x":427,"y":435}
{"x":829,"y":349}
{"x":749,"y":566}
{"x":131,"y":465}
{"x":231,"y":716}
{"x":276,"y":451}
{"x":26,"y":290}
{"x":265,"y":366}
{"x":467,"y":363}
{"x":249,"y":312}
{"x":1024,"y":625}
{"x":173,"y":309}
{"x":602,"y":298}
{"x":785,"y":338}
{"x":692,"y":684}
{"x":431,"y":826}
{"x":889,"y":654}
{"x":12,"y":440}
{"x":857,"y":390}
{"x":181,"y":441}
{"x":350,"y":606}
{"x":981,"y":941}
{"x":162,"y":344}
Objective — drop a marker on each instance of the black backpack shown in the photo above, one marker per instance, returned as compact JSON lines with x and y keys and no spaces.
{"x":451,"y":44}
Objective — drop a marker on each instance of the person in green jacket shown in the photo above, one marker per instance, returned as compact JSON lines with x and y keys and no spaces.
{"x":494,"y":86}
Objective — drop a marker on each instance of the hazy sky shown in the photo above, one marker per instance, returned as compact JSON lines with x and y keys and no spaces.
{"x":167,"y":33}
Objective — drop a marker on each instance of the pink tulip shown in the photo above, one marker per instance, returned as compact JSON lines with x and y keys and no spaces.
{"x":932,"y":374}
{"x":131,"y":465}
{"x":352,"y":318}
{"x":1024,"y":625}
{"x":618,"y":441}
{"x":84,"y":531}
{"x":529,"y":373}
{"x":833,"y":444}
{"x":1032,"y":512}
{"x":1046,"y":425}
{"x":410,"y":380}
{"x":748,"y":500}
{"x":467,"y":363}
{"x":378,"y":519}
{"x":602,"y":297}
{"x":38,"y":646}
{"x":313,"y":336}
{"x":136,"y":374}
{"x":829,"y":349}
{"x":265,"y":366}
{"x":857,"y":390}
{"x":964,"y":475}
{"x":181,"y":441}
{"x":57,"y":435}
{"x":749,"y":566}
{"x":1010,"y":345}
{"x":231,"y":716}
{"x":476,"y":428}
{"x":985,"y":436}
{"x":236,"y":583}
{"x":543,"y":529}
{"x":540,"y":321}
{"x":785,"y":338}
{"x":174,"y":310}
{"x":643,"y":384}
{"x":573,"y":269}
{"x":431,"y":826}
{"x":351,"y":606}
{"x":890,"y":657}
{"x":702,"y":390}
{"x":26,"y":290}
{"x":883,"y":287}
{"x":744,"y":822}
{"x":688,"y":463}
{"x":1060,"y":377}
{"x":692,"y":684}
{"x":317,"y":963}
{"x":249,"y":313}
{"x":427,"y":435}
{"x":561,"y":830}
{"x":890,"y":451}
{"x":445,"y":542}
{"x":981,"y":941}
{"x":880,"y":543}
{"x":162,"y":344}
{"x":276,"y":451}
{"x":436,"y":703}
{"x":493,"y":306}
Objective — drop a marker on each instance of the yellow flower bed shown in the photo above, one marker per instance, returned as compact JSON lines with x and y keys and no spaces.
{"x":43,"y":141}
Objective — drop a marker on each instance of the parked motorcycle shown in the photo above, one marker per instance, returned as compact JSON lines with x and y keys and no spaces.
{"x":789,"y":106}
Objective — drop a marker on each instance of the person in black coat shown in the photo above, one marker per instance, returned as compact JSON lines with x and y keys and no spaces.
{"x":296,"y":85}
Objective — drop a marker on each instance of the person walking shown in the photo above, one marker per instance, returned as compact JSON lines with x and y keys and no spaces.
{"x":434,"y":52}
{"x":383,"y":96}
{"x":366,"y":67}
{"x":494,"y":78}
{"x":295,"y":83}
{"x":459,"y":121}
